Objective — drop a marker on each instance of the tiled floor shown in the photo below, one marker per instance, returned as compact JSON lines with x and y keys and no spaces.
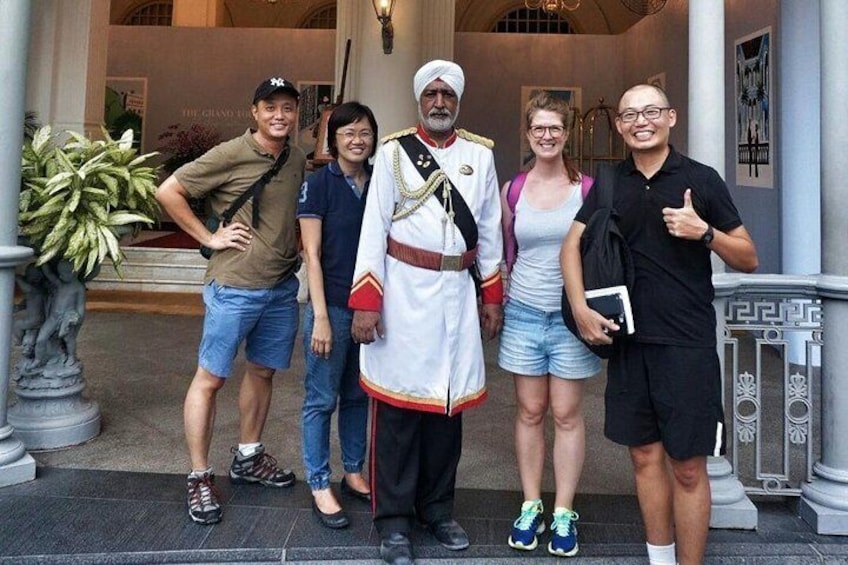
{"x":83,"y":516}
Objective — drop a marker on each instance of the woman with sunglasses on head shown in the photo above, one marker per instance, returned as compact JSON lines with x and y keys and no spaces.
{"x":332,"y":201}
{"x":548,"y":363}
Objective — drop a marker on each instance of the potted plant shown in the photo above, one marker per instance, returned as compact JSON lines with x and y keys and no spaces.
{"x":78,"y":197}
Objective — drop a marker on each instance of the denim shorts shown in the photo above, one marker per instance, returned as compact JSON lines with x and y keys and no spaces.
{"x":266,"y":319}
{"x":537,"y":343}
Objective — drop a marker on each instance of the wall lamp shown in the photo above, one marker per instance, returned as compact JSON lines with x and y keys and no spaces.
{"x":384,"y":9}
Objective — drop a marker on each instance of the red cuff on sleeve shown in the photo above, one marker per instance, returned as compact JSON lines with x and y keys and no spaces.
{"x":492,"y":289}
{"x":367,"y":294}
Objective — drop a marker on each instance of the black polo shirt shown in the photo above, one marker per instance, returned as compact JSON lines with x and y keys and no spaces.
{"x":673,"y":292}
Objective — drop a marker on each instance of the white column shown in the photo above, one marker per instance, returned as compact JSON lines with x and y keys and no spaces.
{"x":731,"y":508}
{"x":67,"y":80}
{"x":16,"y":465}
{"x":423,"y":30}
{"x":800,"y":135}
{"x":799,"y":91}
{"x":824,"y":501}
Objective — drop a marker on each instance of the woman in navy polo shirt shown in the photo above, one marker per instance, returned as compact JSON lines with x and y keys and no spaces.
{"x":330,"y":209}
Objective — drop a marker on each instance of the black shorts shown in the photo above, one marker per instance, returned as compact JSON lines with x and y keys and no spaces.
{"x":666,"y":393}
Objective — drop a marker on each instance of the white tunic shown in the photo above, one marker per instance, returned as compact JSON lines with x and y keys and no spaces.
{"x":431,"y":357}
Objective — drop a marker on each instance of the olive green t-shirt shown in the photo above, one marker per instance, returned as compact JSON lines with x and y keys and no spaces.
{"x":222,"y":174}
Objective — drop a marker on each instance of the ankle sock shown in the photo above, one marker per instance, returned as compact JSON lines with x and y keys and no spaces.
{"x":248,"y":449}
{"x":197,"y":474}
{"x":662,"y":554}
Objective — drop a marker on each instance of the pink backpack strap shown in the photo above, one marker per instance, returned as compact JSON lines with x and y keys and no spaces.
{"x":512,"y":194}
{"x":514,"y":190}
{"x":586,"y":185}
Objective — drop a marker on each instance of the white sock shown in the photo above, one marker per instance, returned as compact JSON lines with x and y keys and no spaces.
{"x":248,"y":449}
{"x":661,"y":554}
{"x":197,"y":474}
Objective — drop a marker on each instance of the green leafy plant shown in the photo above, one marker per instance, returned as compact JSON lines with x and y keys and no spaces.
{"x":79,"y":196}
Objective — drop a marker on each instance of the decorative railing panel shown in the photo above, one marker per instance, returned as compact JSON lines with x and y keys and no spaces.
{"x":771,"y":349}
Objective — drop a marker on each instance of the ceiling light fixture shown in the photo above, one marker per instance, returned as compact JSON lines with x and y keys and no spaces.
{"x":558,"y":7}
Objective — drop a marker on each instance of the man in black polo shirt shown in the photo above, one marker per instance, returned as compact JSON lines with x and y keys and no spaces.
{"x":664,"y":398}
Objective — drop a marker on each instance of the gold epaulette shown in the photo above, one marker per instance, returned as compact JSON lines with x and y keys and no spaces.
{"x":397,"y":134}
{"x":467,"y":135}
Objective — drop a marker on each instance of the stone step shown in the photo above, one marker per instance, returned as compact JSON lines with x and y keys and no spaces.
{"x":150,"y":269}
{"x":141,"y":302}
{"x":160,"y":270}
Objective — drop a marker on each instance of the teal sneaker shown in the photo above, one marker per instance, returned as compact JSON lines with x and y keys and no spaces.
{"x":529,"y":525}
{"x":564,"y":539}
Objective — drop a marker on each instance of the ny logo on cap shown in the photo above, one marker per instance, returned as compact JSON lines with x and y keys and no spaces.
{"x":278,"y":82}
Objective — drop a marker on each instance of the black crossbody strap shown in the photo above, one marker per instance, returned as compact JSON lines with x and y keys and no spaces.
{"x":604,"y":183}
{"x":463,"y":218}
{"x":255,"y":190}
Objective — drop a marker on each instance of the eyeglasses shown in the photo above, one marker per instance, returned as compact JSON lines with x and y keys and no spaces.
{"x":351,"y":135}
{"x":538,"y":132}
{"x":650,"y":113}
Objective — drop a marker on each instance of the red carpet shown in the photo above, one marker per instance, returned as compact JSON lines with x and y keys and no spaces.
{"x":176,"y":240}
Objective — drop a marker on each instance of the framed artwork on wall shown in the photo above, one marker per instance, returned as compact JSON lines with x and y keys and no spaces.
{"x":573,"y":96}
{"x":126,"y":102}
{"x":755,"y":140}
{"x":315,"y":98}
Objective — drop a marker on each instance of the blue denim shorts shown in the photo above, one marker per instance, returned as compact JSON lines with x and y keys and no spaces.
{"x":266,"y":319}
{"x":537,"y":343}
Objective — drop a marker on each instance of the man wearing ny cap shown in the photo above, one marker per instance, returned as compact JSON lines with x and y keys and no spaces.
{"x":432,"y":215}
{"x":250,"y":289}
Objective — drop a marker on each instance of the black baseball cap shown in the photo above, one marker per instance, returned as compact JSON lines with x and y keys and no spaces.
{"x":274,"y":84}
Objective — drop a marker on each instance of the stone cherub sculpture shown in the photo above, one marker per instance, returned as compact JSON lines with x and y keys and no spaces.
{"x":60,"y":295}
{"x":34,"y":309}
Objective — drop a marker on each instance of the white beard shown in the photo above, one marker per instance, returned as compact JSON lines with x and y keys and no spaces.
{"x":438,"y":123}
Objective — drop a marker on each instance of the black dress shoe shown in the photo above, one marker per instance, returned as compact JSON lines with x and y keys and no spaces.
{"x":349,"y":490}
{"x":336,"y":520}
{"x":396,"y":549}
{"x":449,"y":534}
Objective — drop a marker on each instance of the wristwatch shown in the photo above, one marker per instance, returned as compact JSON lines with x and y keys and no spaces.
{"x":708,"y":236}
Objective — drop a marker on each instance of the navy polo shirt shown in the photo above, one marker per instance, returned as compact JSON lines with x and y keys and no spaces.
{"x":327,"y":194}
{"x":673,"y":293}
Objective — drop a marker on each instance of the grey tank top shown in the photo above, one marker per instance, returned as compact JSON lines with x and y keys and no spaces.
{"x":536,"y":279}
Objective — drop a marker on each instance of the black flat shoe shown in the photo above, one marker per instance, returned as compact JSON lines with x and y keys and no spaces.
{"x":450,"y":534}
{"x":396,"y":549}
{"x":350,"y":491}
{"x":335,"y":521}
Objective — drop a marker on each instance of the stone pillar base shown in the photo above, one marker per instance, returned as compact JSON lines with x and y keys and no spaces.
{"x":16,"y":465}
{"x":824,"y":520}
{"x":731,"y":507}
{"x":824,"y":502}
{"x":741,"y":515}
{"x":54,"y":418}
{"x":17,"y":472}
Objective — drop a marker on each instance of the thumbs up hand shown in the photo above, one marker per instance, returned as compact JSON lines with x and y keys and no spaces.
{"x":684,"y":222}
